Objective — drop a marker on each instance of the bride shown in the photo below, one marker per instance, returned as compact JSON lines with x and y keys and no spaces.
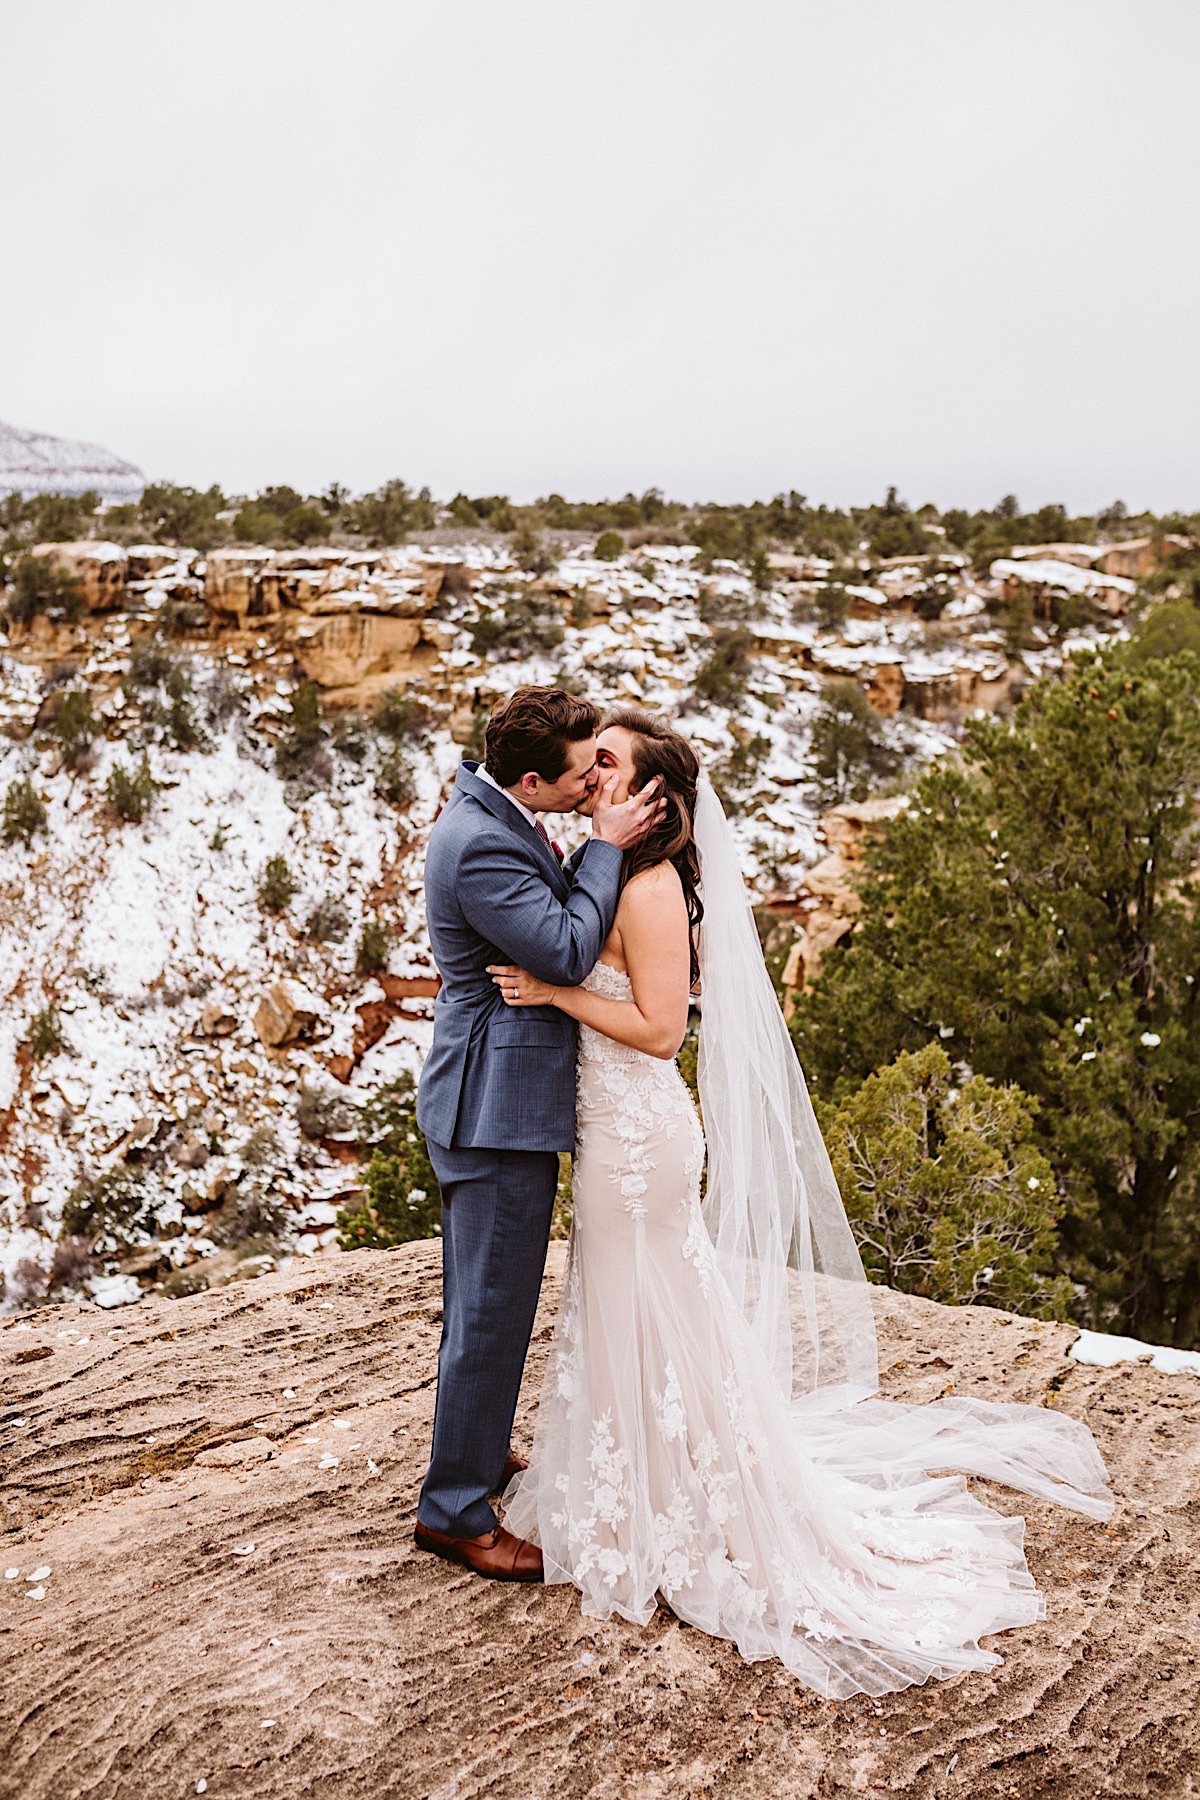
{"x":707,"y":1430}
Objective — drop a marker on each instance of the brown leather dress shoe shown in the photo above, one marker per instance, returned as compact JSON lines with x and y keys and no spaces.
{"x":498,"y":1555}
{"x":513,"y":1465}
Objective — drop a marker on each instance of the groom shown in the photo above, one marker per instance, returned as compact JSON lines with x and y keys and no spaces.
{"x":497,"y":1094}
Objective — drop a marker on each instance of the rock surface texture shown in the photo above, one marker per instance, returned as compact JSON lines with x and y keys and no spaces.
{"x":214,"y":1500}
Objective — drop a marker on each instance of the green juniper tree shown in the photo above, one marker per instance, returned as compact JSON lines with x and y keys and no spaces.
{"x":404,"y":1201}
{"x":1036,"y":910}
{"x":946,"y":1193}
{"x":848,"y":746}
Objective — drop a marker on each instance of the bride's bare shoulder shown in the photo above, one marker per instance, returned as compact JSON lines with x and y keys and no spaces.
{"x":652,"y":889}
{"x":652,"y":880}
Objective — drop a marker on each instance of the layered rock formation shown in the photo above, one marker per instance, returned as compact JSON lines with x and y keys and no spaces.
{"x":827,"y":900}
{"x":209,"y":1506}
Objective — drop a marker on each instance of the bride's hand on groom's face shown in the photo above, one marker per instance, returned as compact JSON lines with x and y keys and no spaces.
{"x":627,"y":822}
{"x":519,"y":988}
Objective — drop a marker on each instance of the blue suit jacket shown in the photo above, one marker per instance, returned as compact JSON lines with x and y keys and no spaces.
{"x":496,"y":1077}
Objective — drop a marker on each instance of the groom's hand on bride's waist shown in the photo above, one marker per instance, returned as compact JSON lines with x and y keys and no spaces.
{"x":625,"y":824}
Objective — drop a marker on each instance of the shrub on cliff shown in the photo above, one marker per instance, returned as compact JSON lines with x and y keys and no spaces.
{"x":740,"y":770}
{"x":404,"y":1201}
{"x":255,"y":524}
{"x":946,"y":1193}
{"x":303,"y":731}
{"x":328,"y":922}
{"x":1166,"y":630}
{"x":610,"y":546}
{"x":399,"y":1207}
{"x":393,"y":511}
{"x":374,"y":947}
{"x":182,"y":515}
{"x":722,"y":676}
{"x":76,"y":726}
{"x":322,"y":1111}
{"x":132,"y":792}
{"x":848,"y":747}
{"x":395,"y":778}
{"x":399,"y":713}
{"x":306,"y":524}
{"x":531,"y":623}
{"x":1035,"y":908}
{"x":350,"y":741}
{"x":46,"y":1034}
{"x":530,"y":550}
{"x":165,"y":692}
{"x":832,"y":606}
{"x":24,"y":812}
{"x":38,"y":586}
{"x":300,"y":755}
{"x":893,"y":530}
{"x":277,"y":885}
{"x":57,"y":518}
{"x":116,"y":1206}
{"x":280,"y":516}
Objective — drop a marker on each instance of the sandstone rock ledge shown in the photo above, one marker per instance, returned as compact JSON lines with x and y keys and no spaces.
{"x":227,"y":1603}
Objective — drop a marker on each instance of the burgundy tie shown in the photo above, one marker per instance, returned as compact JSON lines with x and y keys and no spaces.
{"x":545,"y":837}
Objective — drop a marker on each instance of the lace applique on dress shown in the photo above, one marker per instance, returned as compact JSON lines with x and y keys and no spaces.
{"x":639,"y":1095}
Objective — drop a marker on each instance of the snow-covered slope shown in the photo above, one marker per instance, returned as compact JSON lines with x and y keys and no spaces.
{"x":125,"y":936}
{"x":33,"y":462}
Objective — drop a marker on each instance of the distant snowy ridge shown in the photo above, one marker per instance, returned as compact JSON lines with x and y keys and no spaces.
{"x":33,"y":462}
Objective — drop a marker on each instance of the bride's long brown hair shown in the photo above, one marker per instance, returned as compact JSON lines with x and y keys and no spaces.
{"x":657,"y":750}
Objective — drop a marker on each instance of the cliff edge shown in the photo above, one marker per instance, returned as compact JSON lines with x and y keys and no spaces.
{"x":206,"y":1509}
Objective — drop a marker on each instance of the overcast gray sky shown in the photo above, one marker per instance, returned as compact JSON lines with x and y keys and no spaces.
{"x":722,"y":247}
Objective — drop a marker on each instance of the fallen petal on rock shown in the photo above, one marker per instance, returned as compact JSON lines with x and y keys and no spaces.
{"x":328,"y":1462}
{"x":246,"y":1550}
{"x":40,"y":1573}
{"x":37,"y":1593}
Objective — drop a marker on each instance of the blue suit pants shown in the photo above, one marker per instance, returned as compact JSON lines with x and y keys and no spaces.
{"x":497,"y":1207}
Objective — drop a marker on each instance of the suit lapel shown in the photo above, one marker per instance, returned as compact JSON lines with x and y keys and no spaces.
{"x":502,"y":809}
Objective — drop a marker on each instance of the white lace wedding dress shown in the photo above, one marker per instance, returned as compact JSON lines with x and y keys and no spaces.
{"x":668,"y":1459}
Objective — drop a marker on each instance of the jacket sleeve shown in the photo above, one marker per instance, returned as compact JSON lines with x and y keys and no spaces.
{"x":511,"y":905}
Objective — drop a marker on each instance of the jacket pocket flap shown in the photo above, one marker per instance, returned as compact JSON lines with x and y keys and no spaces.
{"x":511,"y":1031}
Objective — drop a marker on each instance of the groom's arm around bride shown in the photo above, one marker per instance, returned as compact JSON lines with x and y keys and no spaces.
{"x":497,"y":1094}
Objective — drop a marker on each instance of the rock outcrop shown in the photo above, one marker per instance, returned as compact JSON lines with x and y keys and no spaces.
{"x":827,"y":901}
{"x":354,"y":619}
{"x":346,"y":649}
{"x":209,"y":1507}
{"x":287,"y":1013}
{"x":101,"y":571}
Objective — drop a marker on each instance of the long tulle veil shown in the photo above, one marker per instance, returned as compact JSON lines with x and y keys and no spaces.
{"x":784,"y":1245}
{"x":772,"y":1206}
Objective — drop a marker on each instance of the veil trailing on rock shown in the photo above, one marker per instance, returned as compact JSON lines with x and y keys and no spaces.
{"x":785,"y":1249}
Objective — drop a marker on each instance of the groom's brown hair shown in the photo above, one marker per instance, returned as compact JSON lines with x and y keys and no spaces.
{"x":532,"y":733}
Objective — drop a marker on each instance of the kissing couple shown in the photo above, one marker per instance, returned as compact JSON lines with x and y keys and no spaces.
{"x":709,"y":1431}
